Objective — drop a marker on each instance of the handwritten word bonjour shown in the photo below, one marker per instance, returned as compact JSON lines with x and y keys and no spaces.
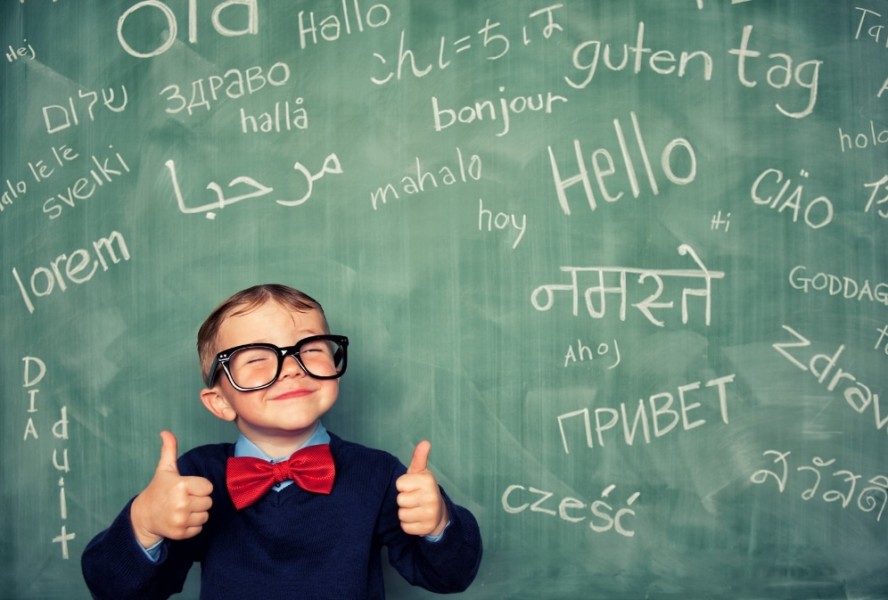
{"x":869,"y":498}
{"x":663,"y":419}
{"x":543,"y":297}
{"x":253,"y":189}
{"x":857,"y":394}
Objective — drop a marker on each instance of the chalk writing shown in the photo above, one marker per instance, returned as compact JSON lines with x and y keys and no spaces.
{"x":283,"y":117}
{"x":63,"y":118}
{"x":602,"y":515}
{"x":464,"y":171}
{"x":543,"y":297}
{"x":869,"y":498}
{"x":331,"y":26}
{"x":836,"y":285}
{"x":25,"y":51}
{"x":487,"y":110}
{"x":254,"y":188}
{"x":857,"y":394}
{"x":871,"y":26}
{"x":718,"y":222}
{"x":658,"y":415}
{"x":880,"y":186}
{"x":236,"y":83}
{"x":863,"y":139}
{"x":107,"y":170}
{"x":818,"y":211}
{"x":883,"y":334}
{"x":487,"y":221}
{"x":582,"y":352}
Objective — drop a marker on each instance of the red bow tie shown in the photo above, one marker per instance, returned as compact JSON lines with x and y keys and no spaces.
{"x":249,"y":478}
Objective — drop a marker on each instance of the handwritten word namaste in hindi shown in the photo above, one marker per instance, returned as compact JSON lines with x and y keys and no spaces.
{"x":543,"y":297}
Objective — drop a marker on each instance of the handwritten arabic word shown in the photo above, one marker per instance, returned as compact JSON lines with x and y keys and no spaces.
{"x":602,"y":516}
{"x":543,"y":297}
{"x":862,"y":140}
{"x":834,"y":285}
{"x":870,"y":498}
{"x":584,"y":353}
{"x":170,"y":29}
{"x":234,"y":81}
{"x":586,"y":56}
{"x":85,"y":187}
{"x":462,"y":172}
{"x":779,"y":76}
{"x":331,"y":26}
{"x":283,"y":117}
{"x":20,"y":52}
{"x":603,"y":167}
{"x":485,"y":109}
{"x":663,"y":418}
{"x":487,"y":220}
{"x":877,"y":33}
{"x":857,"y":394}
{"x":883,"y":333}
{"x":78,"y":267}
{"x":331,"y":165}
{"x":52,"y":110}
{"x":496,"y":44}
{"x":793,"y":201}
{"x":882,"y":185}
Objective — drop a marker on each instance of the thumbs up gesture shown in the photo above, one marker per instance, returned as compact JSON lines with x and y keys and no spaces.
{"x":172,"y":506}
{"x":421,"y":508}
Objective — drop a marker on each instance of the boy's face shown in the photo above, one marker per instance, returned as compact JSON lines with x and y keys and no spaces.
{"x":283,"y":415}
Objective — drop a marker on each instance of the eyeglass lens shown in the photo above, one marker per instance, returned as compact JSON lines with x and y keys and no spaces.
{"x":259,"y":366}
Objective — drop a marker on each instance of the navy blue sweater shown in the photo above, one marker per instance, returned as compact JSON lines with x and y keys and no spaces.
{"x":292,"y":543}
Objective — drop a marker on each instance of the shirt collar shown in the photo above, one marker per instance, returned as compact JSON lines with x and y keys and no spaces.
{"x":244,"y":447}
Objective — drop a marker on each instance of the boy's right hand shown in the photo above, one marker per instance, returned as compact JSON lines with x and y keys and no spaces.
{"x":172,"y":506}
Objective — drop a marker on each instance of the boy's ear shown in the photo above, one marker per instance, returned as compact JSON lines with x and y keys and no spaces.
{"x":217,"y":404}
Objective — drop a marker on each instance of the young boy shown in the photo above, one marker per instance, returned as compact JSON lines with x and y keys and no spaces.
{"x":306,"y":527}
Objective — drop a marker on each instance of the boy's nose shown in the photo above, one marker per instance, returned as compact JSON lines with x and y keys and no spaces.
{"x":291,"y":367}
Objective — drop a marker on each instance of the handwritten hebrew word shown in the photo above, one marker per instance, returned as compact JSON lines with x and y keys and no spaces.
{"x":85,"y":187}
{"x":873,"y":496}
{"x":793,"y":201}
{"x":416,"y":182}
{"x":543,"y":297}
{"x":663,"y":418}
{"x":857,"y":394}
{"x":171,"y":30}
{"x":332,"y":26}
{"x":602,"y":516}
{"x":77,"y":268}
{"x":877,"y":33}
{"x":284,"y":117}
{"x":256,"y":189}
{"x":236,"y":84}
{"x":878,"y":186}
{"x":861,"y":140}
{"x":846,"y":287}
{"x":51,"y":111}
{"x":883,"y":333}
{"x":584,"y":353}
{"x":494,"y":44}
{"x":603,"y":167}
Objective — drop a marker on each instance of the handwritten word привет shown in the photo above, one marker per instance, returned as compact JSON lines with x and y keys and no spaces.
{"x":604,"y":167}
{"x":835,"y":285}
{"x":57,"y":117}
{"x":662,"y":420}
{"x":484,"y":110}
{"x":818,"y":211}
{"x":493,"y":43}
{"x":868,"y":498}
{"x":464,"y":171}
{"x":78,"y":268}
{"x":602,"y":516}
{"x":255,"y":189}
{"x":543,"y":297}
{"x":857,"y":394}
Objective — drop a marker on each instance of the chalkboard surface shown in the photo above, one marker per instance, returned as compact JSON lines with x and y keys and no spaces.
{"x":622,"y":262}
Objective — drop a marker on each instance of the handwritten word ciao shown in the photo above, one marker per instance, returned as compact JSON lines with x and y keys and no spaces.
{"x":601,"y":514}
{"x":543,"y":297}
{"x":818,"y":211}
{"x":857,"y":394}
{"x":873,"y":496}
{"x":659,"y":414}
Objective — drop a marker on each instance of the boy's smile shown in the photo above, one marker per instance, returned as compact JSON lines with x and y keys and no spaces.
{"x":279,"y":418}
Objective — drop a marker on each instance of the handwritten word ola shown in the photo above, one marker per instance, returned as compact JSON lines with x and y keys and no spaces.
{"x":464,"y":171}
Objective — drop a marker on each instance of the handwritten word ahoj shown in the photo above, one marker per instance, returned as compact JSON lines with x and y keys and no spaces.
{"x":255,"y":189}
{"x":543,"y":297}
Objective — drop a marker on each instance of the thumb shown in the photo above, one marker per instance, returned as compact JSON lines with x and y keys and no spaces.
{"x":420,"y":459}
{"x":168,"y":453}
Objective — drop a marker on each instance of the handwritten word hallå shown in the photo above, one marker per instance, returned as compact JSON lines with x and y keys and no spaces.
{"x":601,"y":514}
{"x":840,"y":286}
{"x":604,"y":168}
{"x":417,"y":181}
{"x":664,"y":417}
{"x":543,"y":297}
{"x":857,"y":394}
{"x":493,"y":42}
{"x":283,"y":117}
{"x":584,"y":353}
{"x":26,"y":51}
{"x":57,"y":117}
{"x":818,"y":211}
{"x":488,"y":221}
{"x":254,"y":188}
{"x":873,"y":496}
{"x":485,"y":110}
{"x":79,"y":267}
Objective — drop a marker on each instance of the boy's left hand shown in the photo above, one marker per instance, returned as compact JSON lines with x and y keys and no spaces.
{"x":421,"y":508}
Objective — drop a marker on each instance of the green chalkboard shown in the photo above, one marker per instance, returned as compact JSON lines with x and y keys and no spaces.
{"x":622,"y":261}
